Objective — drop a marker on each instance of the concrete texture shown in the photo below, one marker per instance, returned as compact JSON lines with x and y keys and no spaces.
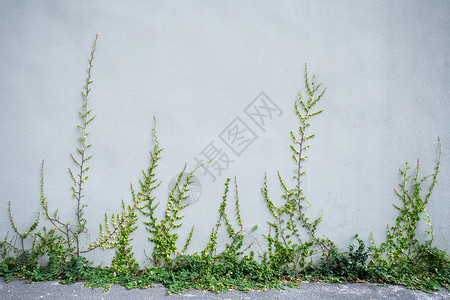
{"x":310,"y":291}
{"x":201,"y":67}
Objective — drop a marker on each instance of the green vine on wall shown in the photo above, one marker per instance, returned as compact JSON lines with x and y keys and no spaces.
{"x":402,"y":245}
{"x":62,"y":241}
{"x":233,"y":248}
{"x":286,"y":245}
{"x":292,"y":238}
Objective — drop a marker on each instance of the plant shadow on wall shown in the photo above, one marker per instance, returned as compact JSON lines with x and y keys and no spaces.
{"x":291,"y":238}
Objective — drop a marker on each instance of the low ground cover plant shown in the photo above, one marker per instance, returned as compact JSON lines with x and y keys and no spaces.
{"x":291,"y":240}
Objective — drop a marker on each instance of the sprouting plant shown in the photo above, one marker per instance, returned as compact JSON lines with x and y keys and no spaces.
{"x":80,"y":178}
{"x":163,"y":235}
{"x":116,"y":232}
{"x":402,"y":244}
{"x":145,"y":198}
{"x":63,"y":240}
{"x":18,"y":238}
{"x":161,"y":231}
{"x":124,"y":257}
{"x":72,"y":232}
{"x":212,"y":245}
{"x":285,"y":244}
{"x":233,"y":248}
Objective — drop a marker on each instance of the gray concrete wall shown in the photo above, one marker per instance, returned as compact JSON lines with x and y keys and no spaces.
{"x":197,"y":66}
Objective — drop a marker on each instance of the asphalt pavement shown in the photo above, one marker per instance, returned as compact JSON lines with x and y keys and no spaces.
{"x":311,"y":291}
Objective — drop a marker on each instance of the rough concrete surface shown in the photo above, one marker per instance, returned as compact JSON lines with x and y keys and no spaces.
{"x":310,"y":291}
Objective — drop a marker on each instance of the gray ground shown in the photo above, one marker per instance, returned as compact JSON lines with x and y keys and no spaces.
{"x":311,"y":291}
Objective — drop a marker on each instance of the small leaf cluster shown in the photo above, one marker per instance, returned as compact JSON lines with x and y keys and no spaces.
{"x":347,"y":266}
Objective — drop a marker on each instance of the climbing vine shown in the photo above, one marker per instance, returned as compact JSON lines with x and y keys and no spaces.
{"x":51,"y":248}
{"x":286,"y":245}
